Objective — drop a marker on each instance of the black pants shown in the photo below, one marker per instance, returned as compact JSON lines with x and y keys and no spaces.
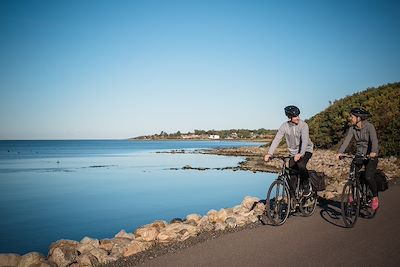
{"x":370,"y":170}
{"x":301,"y":167}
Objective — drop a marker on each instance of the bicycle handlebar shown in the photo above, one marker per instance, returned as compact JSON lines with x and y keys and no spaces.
{"x":354,"y":156}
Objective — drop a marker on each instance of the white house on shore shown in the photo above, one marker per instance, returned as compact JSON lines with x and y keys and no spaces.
{"x":214,"y":136}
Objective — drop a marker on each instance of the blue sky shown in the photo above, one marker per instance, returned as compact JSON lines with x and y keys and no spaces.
{"x":117,"y":69}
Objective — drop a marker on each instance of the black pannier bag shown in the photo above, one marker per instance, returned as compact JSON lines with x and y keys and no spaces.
{"x":317,"y":180}
{"x":380,"y":179}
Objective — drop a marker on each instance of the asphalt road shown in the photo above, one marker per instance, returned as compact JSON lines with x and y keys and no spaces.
{"x":319,"y":240}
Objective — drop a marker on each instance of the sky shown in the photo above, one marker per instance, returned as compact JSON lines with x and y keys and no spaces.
{"x":119,"y":69}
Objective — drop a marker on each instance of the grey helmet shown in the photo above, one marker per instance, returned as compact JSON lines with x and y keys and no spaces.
{"x":292,"y":111}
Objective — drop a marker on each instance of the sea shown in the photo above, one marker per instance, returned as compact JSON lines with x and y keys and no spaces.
{"x":52,"y":190}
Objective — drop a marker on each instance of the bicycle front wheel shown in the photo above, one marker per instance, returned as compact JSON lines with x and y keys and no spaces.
{"x":278,"y":203}
{"x":350,"y":204}
{"x":308,"y":204}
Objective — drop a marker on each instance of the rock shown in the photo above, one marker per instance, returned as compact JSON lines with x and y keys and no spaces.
{"x":33,"y":259}
{"x":102,"y":255}
{"x":119,"y":246}
{"x":212,"y":216}
{"x":221,"y":216}
{"x":259,"y":209}
{"x":124,"y":234}
{"x":249,"y":202}
{"x":146,"y":234}
{"x":9,"y":259}
{"x":219,"y":226}
{"x":205,"y":224}
{"x":63,"y":256}
{"x":106,"y":244}
{"x":86,"y":260}
{"x":136,"y":247}
{"x":195,"y":218}
{"x":63,"y":252}
{"x":231,"y":222}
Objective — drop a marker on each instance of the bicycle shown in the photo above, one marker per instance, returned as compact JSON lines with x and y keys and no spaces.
{"x":280,"y":202}
{"x":356,"y":195}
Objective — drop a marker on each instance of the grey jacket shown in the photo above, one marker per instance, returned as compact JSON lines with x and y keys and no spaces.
{"x":366,"y":139}
{"x":297,"y":138}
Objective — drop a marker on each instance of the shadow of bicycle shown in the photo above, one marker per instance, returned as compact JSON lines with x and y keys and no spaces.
{"x":331,"y":212}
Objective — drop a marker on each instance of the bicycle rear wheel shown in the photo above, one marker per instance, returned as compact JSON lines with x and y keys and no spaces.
{"x":350,"y":204}
{"x":366,"y":210}
{"x":278,"y":203}
{"x":308,"y":204}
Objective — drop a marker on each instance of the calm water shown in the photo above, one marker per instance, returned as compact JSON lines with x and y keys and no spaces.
{"x":51,"y":190}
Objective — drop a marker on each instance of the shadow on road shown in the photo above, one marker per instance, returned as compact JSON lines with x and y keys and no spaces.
{"x":331,"y":212}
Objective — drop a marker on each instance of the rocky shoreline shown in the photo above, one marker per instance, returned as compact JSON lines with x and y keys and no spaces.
{"x":160,"y":237}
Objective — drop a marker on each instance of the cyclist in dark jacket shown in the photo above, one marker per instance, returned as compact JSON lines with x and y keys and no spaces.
{"x":299,"y":144}
{"x":366,"y":145}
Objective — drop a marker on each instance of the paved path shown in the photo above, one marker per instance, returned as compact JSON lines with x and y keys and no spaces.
{"x":319,"y":240}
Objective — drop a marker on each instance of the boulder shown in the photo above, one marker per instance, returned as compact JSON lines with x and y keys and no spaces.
{"x":230,"y":222}
{"x":221,"y":216}
{"x":33,"y":259}
{"x":63,"y":252}
{"x":124,"y":234}
{"x":219,"y":226}
{"x":212,"y":216}
{"x":193,"y":218}
{"x":102,"y":255}
{"x":87,"y":260}
{"x":249,"y":202}
{"x":146,"y":234}
{"x":136,"y":247}
{"x":9,"y":259}
{"x":119,"y":246}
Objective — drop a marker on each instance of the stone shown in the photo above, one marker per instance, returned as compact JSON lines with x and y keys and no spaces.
{"x":249,"y":202}
{"x":9,"y":259}
{"x":220,"y":226}
{"x":86,"y":260}
{"x":102,"y":255}
{"x":32,"y":259}
{"x":193,"y":218}
{"x":221,"y":216}
{"x":124,"y":234}
{"x":106,"y":244}
{"x":136,"y":247}
{"x":146,"y":234}
{"x":212,"y":216}
{"x":231,"y":222}
{"x":63,"y":256}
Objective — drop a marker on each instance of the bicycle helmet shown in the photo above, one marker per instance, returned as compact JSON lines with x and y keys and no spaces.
{"x":360,"y":112}
{"x":292,"y":111}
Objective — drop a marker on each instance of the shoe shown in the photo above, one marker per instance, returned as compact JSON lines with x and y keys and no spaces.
{"x":306,"y":191}
{"x":375,"y":203}
{"x":350,"y":199}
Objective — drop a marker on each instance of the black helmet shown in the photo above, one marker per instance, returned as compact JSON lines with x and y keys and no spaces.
{"x":360,"y":112}
{"x":292,"y":111}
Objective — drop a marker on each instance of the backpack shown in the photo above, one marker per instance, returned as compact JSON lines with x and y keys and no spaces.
{"x":317,"y":180}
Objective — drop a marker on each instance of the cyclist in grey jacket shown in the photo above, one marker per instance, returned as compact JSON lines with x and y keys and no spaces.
{"x":366,"y":145}
{"x":299,"y":144}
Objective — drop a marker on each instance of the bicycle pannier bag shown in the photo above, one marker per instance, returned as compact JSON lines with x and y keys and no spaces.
{"x":317,"y":180}
{"x":381,"y":181}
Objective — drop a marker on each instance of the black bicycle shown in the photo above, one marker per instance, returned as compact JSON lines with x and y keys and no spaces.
{"x":280,"y":202}
{"x":356,"y":196}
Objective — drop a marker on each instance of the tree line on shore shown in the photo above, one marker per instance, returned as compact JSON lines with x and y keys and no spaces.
{"x":213,"y":134}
